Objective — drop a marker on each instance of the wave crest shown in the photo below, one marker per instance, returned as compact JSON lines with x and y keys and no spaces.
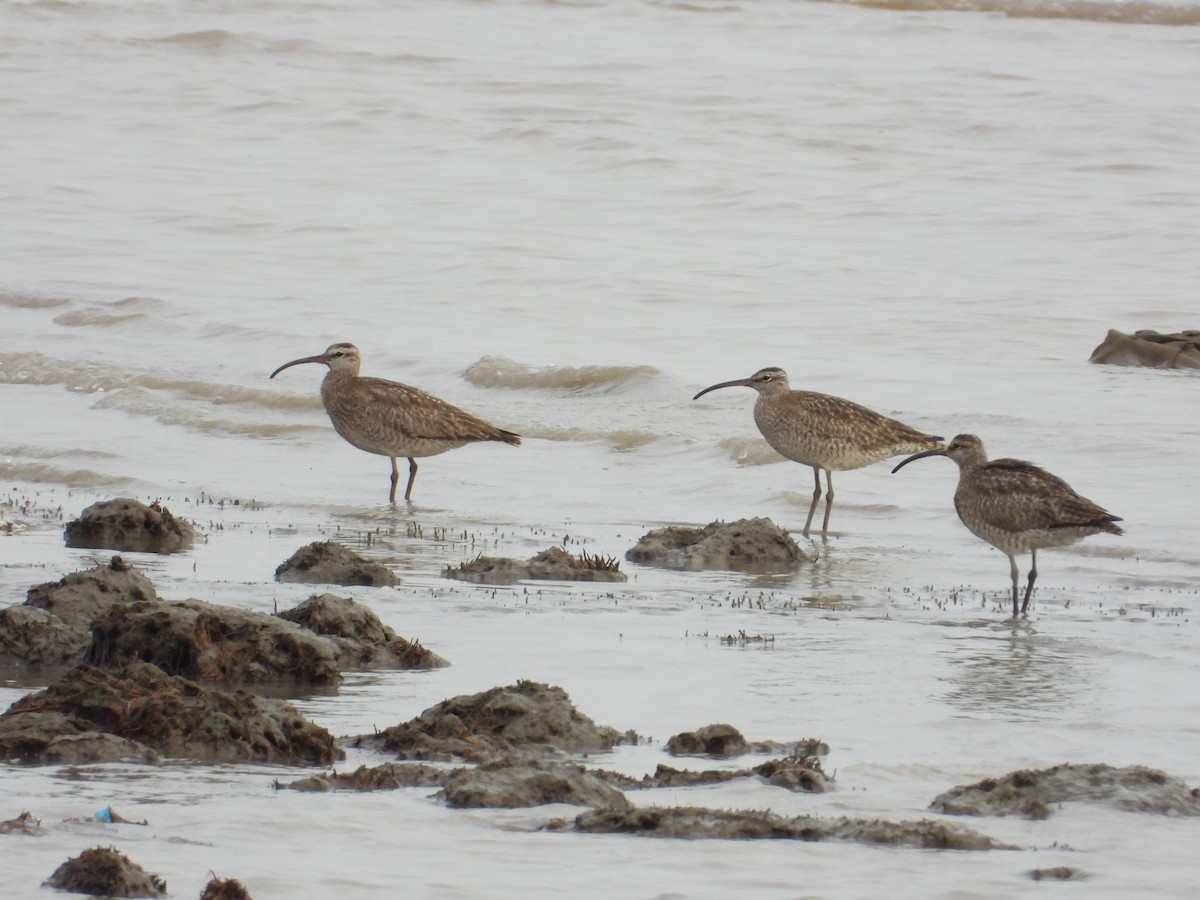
{"x":497,"y":371}
{"x":42,"y":473}
{"x":91,"y":378}
{"x":621,"y":439}
{"x":749,"y":451}
{"x":1134,"y":12}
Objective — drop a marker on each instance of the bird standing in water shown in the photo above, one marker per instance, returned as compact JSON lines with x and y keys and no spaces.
{"x":827,"y":433}
{"x":1016,"y":506}
{"x":393,"y":419}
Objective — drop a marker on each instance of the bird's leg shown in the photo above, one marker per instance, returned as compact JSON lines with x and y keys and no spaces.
{"x":1012,"y":567}
{"x":828,"y":501}
{"x":395,"y":480}
{"x":816,"y":496}
{"x":412,"y":476}
{"x":1032,"y":579}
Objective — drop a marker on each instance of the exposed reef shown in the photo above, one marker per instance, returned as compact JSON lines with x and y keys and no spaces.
{"x":755,"y":545}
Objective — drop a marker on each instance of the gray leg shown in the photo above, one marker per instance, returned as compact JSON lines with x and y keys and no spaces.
{"x":395,"y":481}
{"x":828,"y":501}
{"x":1012,"y":566}
{"x":1032,"y":579}
{"x":412,"y":476}
{"x":816,"y":496}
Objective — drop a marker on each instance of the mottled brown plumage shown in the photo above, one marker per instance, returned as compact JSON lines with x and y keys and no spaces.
{"x":1016,"y":506}
{"x":393,"y":419}
{"x":824,"y":432}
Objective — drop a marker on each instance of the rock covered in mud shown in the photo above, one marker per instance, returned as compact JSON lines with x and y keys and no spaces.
{"x":130,"y":525}
{"x":148,"y":712}
{"x":328,"y":562}
{"x":224,"y":889}
{"x":209,"y":642}
{"x":363,"y":641}
{"x":82,"y":597}
{"x":1034,"y":793}
{"x":385,"y":777}
{"x":722,"y":740}
{"x":528,"y":717}
{"x":52,"y":629}
{"x":1180,"y":350}
{"x":794,"y":773}
{"x":757,"y":545}
{"x":34,"y":639}
{"x":104,"y":872}
{"x":1057,"y":873}
{"x":516,"y":783}
{"x":697,"y":822}
{"x":552,"y":564}
{"x":711,"y":740}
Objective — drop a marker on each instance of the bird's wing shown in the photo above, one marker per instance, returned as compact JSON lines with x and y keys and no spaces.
{"x":1015,"y":495}
{"x":389,"y":407}
{"x":835,"y":418}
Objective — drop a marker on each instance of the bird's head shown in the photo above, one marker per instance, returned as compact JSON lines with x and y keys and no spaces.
{"x":341,"y":357}
{"x":771,"y":380}
{"x":966,"y":450}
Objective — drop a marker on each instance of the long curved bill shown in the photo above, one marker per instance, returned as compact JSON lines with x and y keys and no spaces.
{"x":741,"y":382}
{"x":921,"y":455}
{"x":319,"y":358}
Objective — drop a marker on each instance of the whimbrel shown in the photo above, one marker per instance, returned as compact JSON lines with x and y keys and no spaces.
{"x":393,"y":419}
{"x":1016,"y":506}
{"x":827,"y":433}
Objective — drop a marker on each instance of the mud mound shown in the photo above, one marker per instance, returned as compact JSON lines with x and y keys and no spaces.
{"x":1180,"y":350}
{"x":208,"y":642}
{"x":795,"y":773}
{"x":553,"y":564}
{"x":103,"y":872}
{"x":696,"y":822}
{"x":82,"y":597}
{"x":126,"y":524}
{"x":225,"y":889}
{"x":52,"y":630}
{"x":387,"y":777}
{"x":724,"y":741}
{"x":711,"y":740}
{"x":363,"y":641}
{"x":1057,"y":873}
{"x":34,"y":639}
{"x":519,"y":783}
{"x":1034,"y":793}
{"x":755,"y":545}
{"x":528,"y":717}
{"x":162,"y":713}
{"x":328,"y":562}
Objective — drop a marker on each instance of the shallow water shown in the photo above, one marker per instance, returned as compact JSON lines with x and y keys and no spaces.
{"x":569,"y":219}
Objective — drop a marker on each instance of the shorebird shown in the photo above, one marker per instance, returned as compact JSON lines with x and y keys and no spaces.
{"x":1016,"y":506}
{"x":827,"y":433}
{"x":393,"y":419}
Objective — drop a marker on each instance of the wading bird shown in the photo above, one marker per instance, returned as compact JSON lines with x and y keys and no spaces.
{"x":1016,"y":506}
{"x":393,"y":419}
{"x":827,"y":433}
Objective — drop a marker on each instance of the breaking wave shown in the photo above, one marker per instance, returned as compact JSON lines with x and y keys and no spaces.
{"x":88,"y":378}
{"x":42,"y":473}
{"x":749,"y":451}
{"x":498,"y":372}
{"x":621,"y":439}
{"x":1135,"y":12}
